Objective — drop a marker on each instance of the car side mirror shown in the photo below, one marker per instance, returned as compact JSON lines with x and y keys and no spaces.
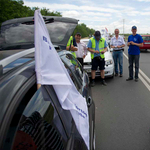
{"x":89,"y":101}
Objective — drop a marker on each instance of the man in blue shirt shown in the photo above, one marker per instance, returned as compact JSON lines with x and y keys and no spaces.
{"x":134,"y":42}
{"x":98,"y":59}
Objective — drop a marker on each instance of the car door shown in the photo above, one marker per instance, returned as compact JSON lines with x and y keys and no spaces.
{"x":39,"y":122}
{"x":35,"y":124}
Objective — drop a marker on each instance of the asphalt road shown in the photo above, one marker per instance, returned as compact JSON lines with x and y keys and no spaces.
{"x":123,"y":110}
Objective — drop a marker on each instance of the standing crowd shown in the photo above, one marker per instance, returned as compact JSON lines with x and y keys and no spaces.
{"x":97,"y":45}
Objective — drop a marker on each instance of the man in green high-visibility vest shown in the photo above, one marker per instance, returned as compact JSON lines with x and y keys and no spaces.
{"x":72,"y":45}
{"x":97,"y":46}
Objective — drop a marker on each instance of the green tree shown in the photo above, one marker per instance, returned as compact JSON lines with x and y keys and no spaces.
{"x":46,"y":12}
{"x":84,"y":30}
{"x":10,"y":9}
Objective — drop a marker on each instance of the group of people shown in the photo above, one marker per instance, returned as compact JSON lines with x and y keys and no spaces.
{"x":97,"y":45}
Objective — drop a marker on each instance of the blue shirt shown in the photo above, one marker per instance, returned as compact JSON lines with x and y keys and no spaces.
{"x":97,"y":46}
{"x":133,"y":49}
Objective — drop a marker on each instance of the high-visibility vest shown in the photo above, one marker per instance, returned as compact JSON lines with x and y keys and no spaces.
{"x":101,"y":46}
{"x":70,"y":42}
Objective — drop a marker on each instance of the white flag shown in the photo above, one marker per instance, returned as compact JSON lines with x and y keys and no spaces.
{"x":106,"y":34}
{"x":49,"y":74}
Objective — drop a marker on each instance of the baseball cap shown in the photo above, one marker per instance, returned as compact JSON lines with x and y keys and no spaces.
{"x":97,"y":34}
{"x":134,"y":27}
{"x":78,"y":33}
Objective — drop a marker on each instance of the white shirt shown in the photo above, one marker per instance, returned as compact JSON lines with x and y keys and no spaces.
{"x":82,"y":49}
{"x":117,"y":42}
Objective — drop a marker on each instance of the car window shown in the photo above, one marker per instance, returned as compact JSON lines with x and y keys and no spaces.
{"x":16,"y":110}
{"x":74,"y":69}
{"x":40,"y":126}
{"x":72,"y":77}
{"x":85,"y":90}
{"x":86,"y":42}
{"x":16,"y":34}
{"x":74,"y":65}
{"x":146,"y":38}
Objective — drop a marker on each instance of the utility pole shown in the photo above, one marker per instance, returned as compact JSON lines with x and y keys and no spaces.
{"x":123,"y":25}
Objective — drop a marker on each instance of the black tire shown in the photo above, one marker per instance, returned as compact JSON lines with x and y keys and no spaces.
{"x":112,"y":75}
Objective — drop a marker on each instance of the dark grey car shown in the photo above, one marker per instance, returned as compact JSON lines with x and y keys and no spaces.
{"x":34,"y":119}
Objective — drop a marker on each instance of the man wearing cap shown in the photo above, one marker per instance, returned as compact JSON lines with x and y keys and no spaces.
{"x":97,"y":46}
{"x":117,"y":43}
{"x":134,"y":42}
{"x":81,"y":48}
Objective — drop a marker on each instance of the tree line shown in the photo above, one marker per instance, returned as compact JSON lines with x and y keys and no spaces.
{"x":10,"y":9}
{"x":84,"y":30}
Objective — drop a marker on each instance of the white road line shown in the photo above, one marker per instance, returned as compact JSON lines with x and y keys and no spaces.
{"x":144,"y":82}
{"x":143,"y":77}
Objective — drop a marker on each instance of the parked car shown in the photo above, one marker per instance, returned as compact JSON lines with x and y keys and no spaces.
{"x":33,"y":119}
{"x":146,"y":42}
{"x":109,"y":63}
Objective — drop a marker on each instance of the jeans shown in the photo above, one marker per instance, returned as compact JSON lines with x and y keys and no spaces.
{"x":118,"y":58}
{"x":133,"y":59}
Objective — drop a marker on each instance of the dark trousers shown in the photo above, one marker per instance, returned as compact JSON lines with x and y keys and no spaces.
{"x":133,"y":59}
{"x":81,"y":61}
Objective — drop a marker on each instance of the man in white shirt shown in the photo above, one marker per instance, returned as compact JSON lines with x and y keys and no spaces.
{"x":117,"y":43}
{"x":82,"y":48}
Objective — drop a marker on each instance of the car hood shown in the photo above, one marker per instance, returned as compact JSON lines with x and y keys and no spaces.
{"x":108,"y":56}
{"x":20,"y":31}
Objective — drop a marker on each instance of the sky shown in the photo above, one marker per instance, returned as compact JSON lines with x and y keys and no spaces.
{"x":99,"y":14}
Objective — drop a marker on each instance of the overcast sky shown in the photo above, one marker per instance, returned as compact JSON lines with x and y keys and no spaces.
{"x":100,"y":14}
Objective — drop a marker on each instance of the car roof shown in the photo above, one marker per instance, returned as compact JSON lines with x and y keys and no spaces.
{"x":26,"y":19}
{"x":25,"y":54}
{"x":145,"y":35}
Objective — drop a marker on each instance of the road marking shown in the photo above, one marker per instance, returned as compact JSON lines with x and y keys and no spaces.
{"x":143,"y":77}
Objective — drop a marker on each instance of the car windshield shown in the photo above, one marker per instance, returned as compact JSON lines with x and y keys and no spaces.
{"x":146,"y":38}
{"x":86,"y":42}
{"x":23,"y":33}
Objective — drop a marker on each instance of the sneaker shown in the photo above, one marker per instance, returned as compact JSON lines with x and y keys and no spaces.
{"x":116,"y":74}
{"x":136,"y":80}
{"x":121,"y":75}
{"x":93,"y":83}
{"x":104,"y":83}
{"x":129,"y":79}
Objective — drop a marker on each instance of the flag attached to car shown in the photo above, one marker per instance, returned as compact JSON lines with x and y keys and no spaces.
{"x":51,"y":71}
